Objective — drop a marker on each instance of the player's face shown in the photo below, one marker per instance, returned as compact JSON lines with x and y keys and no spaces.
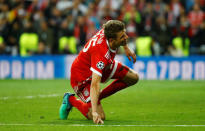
{"x":121,"y":39}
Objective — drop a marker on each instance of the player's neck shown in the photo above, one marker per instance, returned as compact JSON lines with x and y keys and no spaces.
{"x":112,"y":46}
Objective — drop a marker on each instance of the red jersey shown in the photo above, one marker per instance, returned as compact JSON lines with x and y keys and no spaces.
{"x":96,"y":56}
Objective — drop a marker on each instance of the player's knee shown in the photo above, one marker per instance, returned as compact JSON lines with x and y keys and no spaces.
{"x":134,"y":79}
{"x":103,"y":116}
{"x":131,"y":78}
{"x":89,"y":115}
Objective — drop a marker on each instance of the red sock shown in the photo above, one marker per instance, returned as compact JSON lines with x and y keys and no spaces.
{"x":81,"y":106}
{"x":114,"y":87}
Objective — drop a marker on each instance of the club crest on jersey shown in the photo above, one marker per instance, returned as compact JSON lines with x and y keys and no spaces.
{"x":100,"y":65}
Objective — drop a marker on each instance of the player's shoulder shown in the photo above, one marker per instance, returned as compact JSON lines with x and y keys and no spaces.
{"x":101,"y":42}
{"x":101,"y":46}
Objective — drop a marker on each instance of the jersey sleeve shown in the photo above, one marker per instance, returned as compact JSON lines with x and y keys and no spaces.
{"x":98,"y":62}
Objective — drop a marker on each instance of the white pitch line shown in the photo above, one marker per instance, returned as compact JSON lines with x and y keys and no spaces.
{"x":31,"y":97}
{"x":82,"y":125}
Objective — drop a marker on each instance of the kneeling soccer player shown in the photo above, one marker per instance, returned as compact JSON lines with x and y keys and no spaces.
{"x":96,"y":64}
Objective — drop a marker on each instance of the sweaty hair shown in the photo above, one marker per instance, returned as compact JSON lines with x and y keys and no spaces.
{"x":112,"y":27}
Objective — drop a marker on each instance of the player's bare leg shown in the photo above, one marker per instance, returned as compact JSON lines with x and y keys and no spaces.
{"x":131,"y":77}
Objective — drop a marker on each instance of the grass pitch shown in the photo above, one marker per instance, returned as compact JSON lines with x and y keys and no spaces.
{"x":150,"y":105}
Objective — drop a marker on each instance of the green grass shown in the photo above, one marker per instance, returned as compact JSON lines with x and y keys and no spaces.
{"x":33,"y":105}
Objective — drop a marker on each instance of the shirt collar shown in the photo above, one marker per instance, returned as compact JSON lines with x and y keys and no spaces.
{"x":113,"y":51}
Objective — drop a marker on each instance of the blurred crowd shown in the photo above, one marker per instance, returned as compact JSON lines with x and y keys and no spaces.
{"x":154,"y":27}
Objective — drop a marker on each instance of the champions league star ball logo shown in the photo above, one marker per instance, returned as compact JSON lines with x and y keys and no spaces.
{"x":100,"y":65}
{"x":86,"y":93}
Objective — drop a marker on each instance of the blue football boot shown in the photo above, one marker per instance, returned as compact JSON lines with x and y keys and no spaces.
{"x":65,"y":107}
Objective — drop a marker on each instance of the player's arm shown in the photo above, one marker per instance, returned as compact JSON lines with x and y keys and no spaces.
{"x":94,"y":94}
{"x":129,"y":53}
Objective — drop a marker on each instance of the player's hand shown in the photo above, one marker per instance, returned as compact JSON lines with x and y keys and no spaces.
{"x":97,"y":118}
{"x":130,"y":54}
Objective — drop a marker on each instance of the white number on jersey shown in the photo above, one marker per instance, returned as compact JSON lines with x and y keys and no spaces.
{"x":93,"y":40}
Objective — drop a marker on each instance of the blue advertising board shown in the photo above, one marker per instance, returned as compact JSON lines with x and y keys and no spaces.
{"x":33,"y":67}
{"x":58,"y":66}
{"x":171,"y":68}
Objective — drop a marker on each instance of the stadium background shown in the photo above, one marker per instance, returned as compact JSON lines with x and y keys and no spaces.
{"x":39,"y":39}
{"x":44,"y":28}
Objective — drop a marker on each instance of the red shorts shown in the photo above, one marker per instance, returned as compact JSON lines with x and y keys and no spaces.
{"x":82,"y":89}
